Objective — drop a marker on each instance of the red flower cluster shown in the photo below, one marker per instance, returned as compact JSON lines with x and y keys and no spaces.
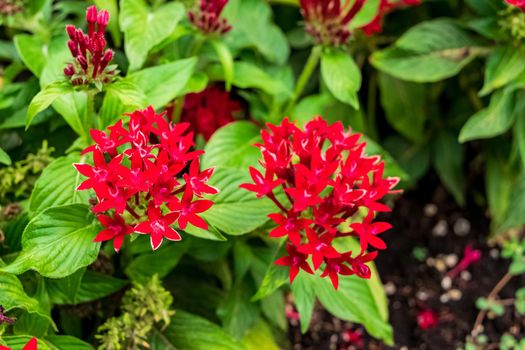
{"x":207,"y":18}
{"x":31,"y":345}
{"x":89,"y":51}
{"x":327,"y":20}
{"x":135,"y":175}
{"x":385,"y":7}
{"x":333,"y":190}
{"x":208,"y":110}
{"x":517,"y":3}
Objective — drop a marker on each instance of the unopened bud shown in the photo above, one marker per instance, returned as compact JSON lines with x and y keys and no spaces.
{"x":69,"y":70}
{"x":71,"y":31}
{"x":91,"y":14}
{"x":73,"y":48}
{"x":108,"y":56}
{"x":102,"y":21}
{"x":82,"y":61}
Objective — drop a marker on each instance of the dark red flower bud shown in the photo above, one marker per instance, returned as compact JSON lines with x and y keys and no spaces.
{"x":91,"y":14}
{"x":102,"y":21}
{"x":108,"y":56}
{"x":73,"y":48}
{"x":82,"y":61}
{"x":71,"y":31}
{"x":69,"y":70}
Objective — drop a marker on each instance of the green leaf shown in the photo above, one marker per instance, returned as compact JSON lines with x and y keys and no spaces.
{"x":64,"y":290}
{"x":191,"y":332}
{"x":341,"y":75}
{"x":96,"y":285}
{"x":391,"y":166}
{"x":404,"y":105}
{"x":503,"y":65}
{"x":260,"y":337}
{"x":367,"y":13}
{"x":499,"y":184}
{"x":428,"y":52}
{"x":17,"y":342}
{"x":252,"y":27}
{"x":4,"y":158}
{"x":33,"y":323}
{"x":13,"y":295}
{"x":46,"y":97}
{"x":514,"y":216}
{"x":121,"y":96}
{"x":33,"y":52}
{"x":236,"y":211}
{"x":232,"y":146}
{"x":57,"y":185}
{"x":492,"y":121}
{"x":226,"y":58}
{"x":68,"y":232}
{"x":248,"y":76}
{"x":357,"y":300}
{"x":174,"y":77}
{"x":275,"y":277}
{"x":448,"y":157}
{"x":237,"y":312}
{"x":66,"y":342}
{"x":303,"y":289}
{"x":159,"y":262}
{"x":144,"y":28}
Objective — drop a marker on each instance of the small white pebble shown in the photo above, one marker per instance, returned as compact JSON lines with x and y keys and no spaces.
{"x":430,"y":209}
{"x":455,"y":294}
{"x":446,"y":283}
{"x":494,"y":253}
{"x":444,"y":298}
{"x":403,"y":348}
{"x":465,"y":275}
{"x":422,"y":295}
{"x":430,"y":261}
{"x":334,"y":338}
{"x":390,"y":288}
{"x":441,"y":229}
{"x":440,"y":265}
{"x":461,"y":227}
{"x":451,"y":260}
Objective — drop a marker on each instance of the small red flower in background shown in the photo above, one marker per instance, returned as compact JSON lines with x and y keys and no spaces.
{"x":470,"y":256}
{"x":517,"y":3}
{"x":91,"y":65}
{"x":136,"y":177}
{"x":207,"y":18}
{"x":31,"y":345}
{"x":385,"y":7}
{"x":327,"y":180}
{"x":427,"y":319}
{"x":327,"y":20}
{"x":352,"y":337}
{"x":208,"y":110}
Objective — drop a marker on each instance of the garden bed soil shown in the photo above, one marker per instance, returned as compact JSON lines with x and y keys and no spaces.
{"x":430,"y":232}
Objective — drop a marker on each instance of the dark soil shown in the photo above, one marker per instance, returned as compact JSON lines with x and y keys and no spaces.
{"x":430,"y":233}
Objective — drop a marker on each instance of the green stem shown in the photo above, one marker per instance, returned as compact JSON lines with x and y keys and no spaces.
{"x":90,"y":115}
{"x":308,"y":69}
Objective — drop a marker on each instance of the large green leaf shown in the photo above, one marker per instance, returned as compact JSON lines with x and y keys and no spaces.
{"x":404,"y":105}
{"x":190,"y":332}
{"x":514,"y":217}
{"x":259,"y":337}
{"x":66,"y":342}
{"x":237,"y":312}
{"x":499,"y":185}
{"x":121,"y":97}
{"x":13,"y":295}
{"x":57,"y":242}
{"x":303,"y":289}
{"x":357,"y":300}
{"x":341,"y":75}
{"x":232,"y":146}
{"x":430,"y":51}
{"x":493,"y":120}
{"x":252,"y":27}
{"x":159,"y":262}
{"x":236,"y":211}
{"x":57,"y":185}
{"x":33,"y":52}
{"x":447,"y":157}
{"x":145,"y":28}
{"x":17,"y":342}
{"x":174,"y":77}
{"x":46,"y":97}
{"x":503,"y":65}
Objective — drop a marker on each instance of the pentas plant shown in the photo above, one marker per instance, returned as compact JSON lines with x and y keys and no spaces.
{"x":91,"y":58}
{"x":327,"y":20}
{"x":31,"y":345}
{"x":517,"y":3}
{"x":208,"y":110}
{"x":385,"y":7}
{"x":331,"y":189}
{"x":207,"y":17}
{"x":146,"y":178}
